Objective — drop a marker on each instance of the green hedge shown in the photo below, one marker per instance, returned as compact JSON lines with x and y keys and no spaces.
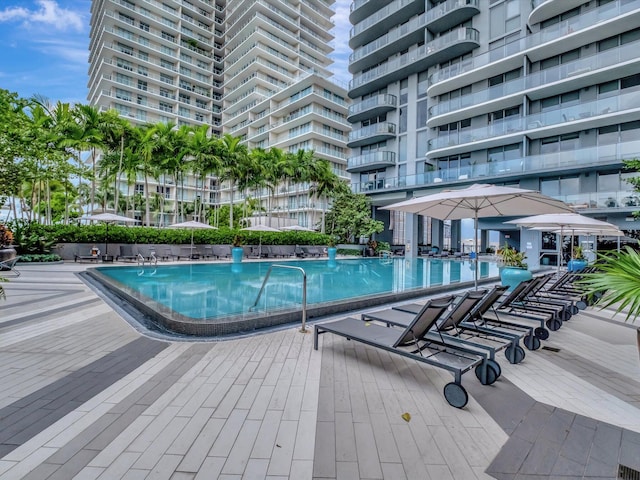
{"x":154,"y":236}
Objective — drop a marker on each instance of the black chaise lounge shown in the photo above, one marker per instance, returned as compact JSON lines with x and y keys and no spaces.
{"x":9,"y":266}
{"x":410,"y":343}
{"x":448,"y":331}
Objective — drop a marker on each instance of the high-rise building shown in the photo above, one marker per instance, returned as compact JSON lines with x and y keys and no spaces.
{"x":256,"y":69}
{"x":543,"y":95}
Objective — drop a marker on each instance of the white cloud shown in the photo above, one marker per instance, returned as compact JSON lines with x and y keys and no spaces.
{"x":49,"y":13}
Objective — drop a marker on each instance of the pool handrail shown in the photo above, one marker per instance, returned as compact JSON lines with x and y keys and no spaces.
{"x":303,"y":329}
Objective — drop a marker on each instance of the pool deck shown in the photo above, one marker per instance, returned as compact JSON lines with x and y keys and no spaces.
{"x":86,"y":396}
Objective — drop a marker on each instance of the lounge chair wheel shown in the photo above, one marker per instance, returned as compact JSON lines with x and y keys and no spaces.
{"x":495,"y":365}
{"x":565,"y":314}
{"x":541,"y":333}
{"x":581,"y":304}
{"x":456,"y":395}
{"x":554,"y":324}
{"x":488,"y":376}
{"x":574,"y":309}
{"x":515,"y":354}
{"x":531,"y":342}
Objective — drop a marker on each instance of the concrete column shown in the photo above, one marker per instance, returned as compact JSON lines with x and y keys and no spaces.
{"x":437,"y":232}
{"x":411,"y":235}
{"x":456,"y":235}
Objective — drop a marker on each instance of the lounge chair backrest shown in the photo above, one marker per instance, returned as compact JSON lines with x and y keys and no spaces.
{"x":515,"y":294}
{"x":423,"y":322}
{"x":488,"y":300}
{"x":461,"y":309}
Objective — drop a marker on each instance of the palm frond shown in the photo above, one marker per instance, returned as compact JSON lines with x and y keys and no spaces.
{"x":618,"y":281}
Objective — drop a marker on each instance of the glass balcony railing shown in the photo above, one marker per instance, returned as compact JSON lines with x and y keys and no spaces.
{"x":372,"y":159}
{"x":394,"y":67}
{"x":582,"y":158}
{"x":540,"y":78}
{"x":378,"y":16}
{"x":538,"y":39}
{"x":382,"y":100}
{"x":382,"y":128}
{"x":562,"y":114}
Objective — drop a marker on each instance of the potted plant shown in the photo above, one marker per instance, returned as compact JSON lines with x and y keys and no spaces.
{"x":331,"y":248}
{"x":237,"y":251}
{"x":578,"y":261}
{"x":513,"y":267}
{"x":7,"y":251}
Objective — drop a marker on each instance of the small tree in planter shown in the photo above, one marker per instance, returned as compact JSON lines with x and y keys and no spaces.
{"x":514,"y":269}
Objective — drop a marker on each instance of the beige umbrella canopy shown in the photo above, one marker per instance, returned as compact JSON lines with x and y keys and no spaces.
{"x":297,"y":228}
{"x":260,"y":228}
{"x":564,"y":222}
{"x":480,"y":201}
{"x":108,"y":218}
{"x":193,"y":224}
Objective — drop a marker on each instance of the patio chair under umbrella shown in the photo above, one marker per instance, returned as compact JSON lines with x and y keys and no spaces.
{"x":260,"y":228}
{"x":108,"y":218}
{"x":193,"y":224}
{"x":480,"y":201}
{"x":564,"y":222}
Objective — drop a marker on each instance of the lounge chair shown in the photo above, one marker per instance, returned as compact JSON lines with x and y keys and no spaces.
{"x":86,"y":258}
{"x":410,"y":343}
{"x":127,"y":254}
{"x":8,"y":267}
{"x":450,"y":330}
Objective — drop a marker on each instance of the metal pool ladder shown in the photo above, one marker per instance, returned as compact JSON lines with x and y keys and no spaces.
{"x":303,"y":329}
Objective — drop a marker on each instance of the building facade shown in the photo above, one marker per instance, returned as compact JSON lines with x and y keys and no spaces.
{"x":256,"y":69}
{"x":542,"y":95}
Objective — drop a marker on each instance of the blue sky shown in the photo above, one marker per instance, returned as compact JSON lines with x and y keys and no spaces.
{"x":45,"y":47}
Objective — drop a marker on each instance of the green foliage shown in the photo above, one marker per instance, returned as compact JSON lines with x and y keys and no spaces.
{"x":350,"y":217}
{"x":617,"y":283}
{"x":578,"y":254}
{"x":356,"y":252}
{"x":36,"y":258}
{"x":510,"y":257}
{"x":382,"y":247}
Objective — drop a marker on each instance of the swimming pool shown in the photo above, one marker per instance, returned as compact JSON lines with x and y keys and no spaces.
{"x":217,"y":298}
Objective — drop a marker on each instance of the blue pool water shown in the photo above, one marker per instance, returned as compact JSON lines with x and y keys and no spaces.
{"x":206,"y":291}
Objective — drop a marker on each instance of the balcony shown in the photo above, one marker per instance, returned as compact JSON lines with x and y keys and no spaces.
{"x":533,"y":165}
{"x":395,"y":13}
{"x":447,"y":15}
{"x":607,"y":20}
{"x":372,"y":107}
{"x":371,"y":161}
{"x":361,"y":9}
{"x":394,"y":41}
{"x":371,"y":134}
{"x":452,"y":44}
{"x":545,"y":9}
{"x":564,"y":119}
{"x":573,"y":75}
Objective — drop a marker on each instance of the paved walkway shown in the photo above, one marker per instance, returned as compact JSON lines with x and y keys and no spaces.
{"x":86,"y":396}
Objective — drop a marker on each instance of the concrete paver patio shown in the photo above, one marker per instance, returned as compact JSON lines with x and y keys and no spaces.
{"x":84,"y":395}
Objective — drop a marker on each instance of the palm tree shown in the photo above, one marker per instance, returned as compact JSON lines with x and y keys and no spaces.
{"x":115,"y":132}
{"x":89,"y":119}
{"x":150,"y":143}
{"x":323,"y":183}
{"x":233,"y":155}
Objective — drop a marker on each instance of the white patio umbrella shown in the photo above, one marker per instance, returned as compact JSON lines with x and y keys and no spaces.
{"x":193,"y":224}
{"x":108,"y":218}
{"x":260,"y":228}
{"x":480,"y":201}
{"x":564,"y":222}
{"x":297,"y":228}
{"x":588,"y":232}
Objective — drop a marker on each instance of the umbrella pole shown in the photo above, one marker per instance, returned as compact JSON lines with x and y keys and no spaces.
{"x":106,"y":238}
{"x":475,"y":242}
